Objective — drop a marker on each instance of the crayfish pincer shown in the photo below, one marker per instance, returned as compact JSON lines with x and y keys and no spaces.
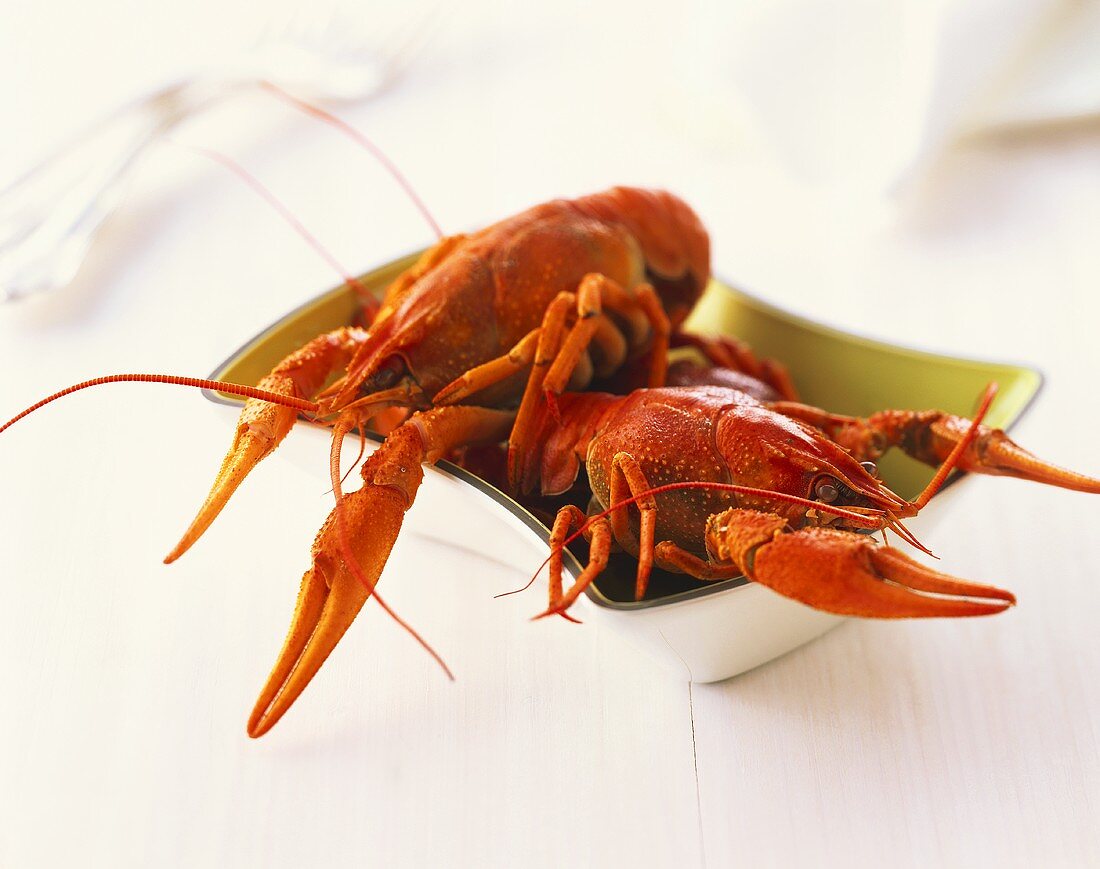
{"x":715,"y":483}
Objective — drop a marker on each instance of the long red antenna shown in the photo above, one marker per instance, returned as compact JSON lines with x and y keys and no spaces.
{"x":360,"y":139}
{"x":365,"y":297}
{"x":200,"y":383}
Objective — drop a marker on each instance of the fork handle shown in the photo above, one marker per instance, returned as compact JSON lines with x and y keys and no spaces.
{"x":49,"y":216}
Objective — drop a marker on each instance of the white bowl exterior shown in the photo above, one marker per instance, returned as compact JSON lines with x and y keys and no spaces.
{"x":716,"y":636}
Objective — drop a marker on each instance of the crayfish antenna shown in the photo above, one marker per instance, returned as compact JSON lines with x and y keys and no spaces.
{"x":252,"y":392}
{"x":369,"y":303}
{"x":363,"y":142}
{"x":958,"y":449}
{"x":269,"y":413}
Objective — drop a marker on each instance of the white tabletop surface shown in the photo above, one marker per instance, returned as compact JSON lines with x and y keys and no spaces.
{"x":126,"y":683}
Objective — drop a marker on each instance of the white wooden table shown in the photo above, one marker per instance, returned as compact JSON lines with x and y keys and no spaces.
{"x":126,"y":683}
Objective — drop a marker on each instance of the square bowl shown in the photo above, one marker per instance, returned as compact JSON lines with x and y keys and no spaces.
{"x":710,"y":631}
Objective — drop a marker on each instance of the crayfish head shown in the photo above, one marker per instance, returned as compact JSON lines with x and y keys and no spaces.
{"x":388,"y":383}
{"x":768,"y":450}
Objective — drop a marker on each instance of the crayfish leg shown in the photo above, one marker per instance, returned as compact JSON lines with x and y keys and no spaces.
{"x":629,"y":483}
{"x":669,"y":556}
{"x":734,"y":355}
{"x":491,"y":373}
{"x":563,"y":355}
{"x":568,"y":518}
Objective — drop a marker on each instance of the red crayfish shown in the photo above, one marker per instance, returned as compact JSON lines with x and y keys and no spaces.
{"x":715,"y":483}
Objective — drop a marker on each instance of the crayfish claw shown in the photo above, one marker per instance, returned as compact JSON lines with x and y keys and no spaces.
{"x":262,"y":424}
{"x":354,"y":544}
{"x":250,"y":446}
{"x":930,"y":436}
{"x":362,"y":529}
{"x":847,"y":574}
{"x":995,"y":453}
{"x":327,"y":604}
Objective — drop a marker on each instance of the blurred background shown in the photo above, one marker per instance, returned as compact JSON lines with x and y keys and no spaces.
{"x":926,"y":172}
{"x":846,"y":157}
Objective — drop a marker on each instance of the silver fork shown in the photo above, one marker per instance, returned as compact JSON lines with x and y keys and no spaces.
{"x":49,"y":216}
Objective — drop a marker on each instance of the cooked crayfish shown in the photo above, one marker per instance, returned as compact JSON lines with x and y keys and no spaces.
{"x":715,"y":483}
{"x":514,"y":314}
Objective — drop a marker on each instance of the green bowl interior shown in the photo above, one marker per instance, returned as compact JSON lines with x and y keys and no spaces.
{"x":832,"y":369}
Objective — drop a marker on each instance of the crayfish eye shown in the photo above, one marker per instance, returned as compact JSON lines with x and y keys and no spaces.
{"x":385,"y":378}
{"x":826,"y":490}
{"x":870,"y":467}
{"x":387,"y":375}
